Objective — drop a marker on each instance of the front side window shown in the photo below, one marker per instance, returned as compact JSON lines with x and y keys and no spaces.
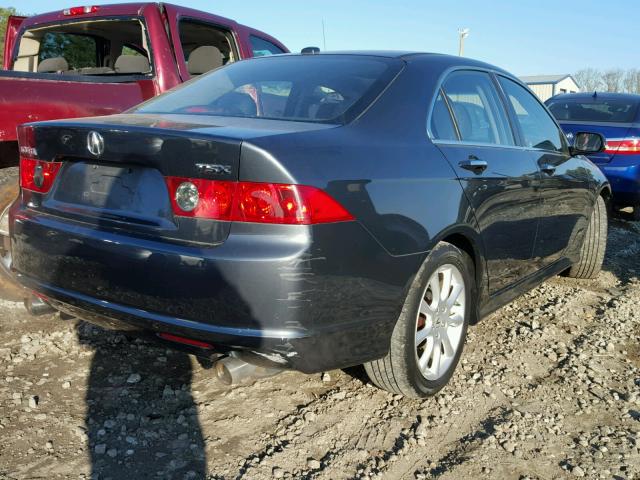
{"x":262,"y":48}
{"x":320,"y":88}
{"x":477,"y":108}
{"x":538,"y":128}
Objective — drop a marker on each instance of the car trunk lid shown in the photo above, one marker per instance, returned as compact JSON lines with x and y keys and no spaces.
{"x":114,"y":176}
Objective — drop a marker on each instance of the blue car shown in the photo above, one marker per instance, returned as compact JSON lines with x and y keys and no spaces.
{"x":616,"y":117}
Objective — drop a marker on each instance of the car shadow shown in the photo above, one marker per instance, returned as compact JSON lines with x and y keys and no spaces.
{"x":622,"y":243}
{"x":141,"y":417}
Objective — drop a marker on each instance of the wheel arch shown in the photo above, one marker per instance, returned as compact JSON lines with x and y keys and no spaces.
{"x":468,"y":240}
{"x":606,"y":193}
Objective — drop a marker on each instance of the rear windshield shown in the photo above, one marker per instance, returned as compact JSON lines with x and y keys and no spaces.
{"x":85,"y":47}
{"x":593,"y":110}
{"x":320,"y":88}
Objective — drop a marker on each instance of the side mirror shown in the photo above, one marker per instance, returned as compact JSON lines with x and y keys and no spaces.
{"x":587,"y":143}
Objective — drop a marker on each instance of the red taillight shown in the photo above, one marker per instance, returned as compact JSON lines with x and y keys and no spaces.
{"x":80,"y":10}
{"x":35,"y":175}
{"x":625,"y":146}
{"x":253,"y":202}
{"x":280,"y":203}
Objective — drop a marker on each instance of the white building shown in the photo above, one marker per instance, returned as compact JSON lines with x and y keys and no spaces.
{"x":546,"y":86}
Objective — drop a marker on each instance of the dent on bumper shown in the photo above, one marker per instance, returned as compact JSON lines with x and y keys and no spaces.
{"x":328,"y":299}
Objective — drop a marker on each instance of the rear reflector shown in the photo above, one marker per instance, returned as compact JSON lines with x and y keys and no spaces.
{"x":35,"y":175}
{"x":253,"y":202}
{"x":80,"y":10}
{"x":625,"y":146}
{"x":185,"y":341}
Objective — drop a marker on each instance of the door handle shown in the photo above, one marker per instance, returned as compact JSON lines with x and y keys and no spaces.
{"x":474,"y":164}
{"x":548,"y":168}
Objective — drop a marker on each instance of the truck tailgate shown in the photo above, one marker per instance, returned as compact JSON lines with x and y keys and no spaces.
{"x":28,"y":97}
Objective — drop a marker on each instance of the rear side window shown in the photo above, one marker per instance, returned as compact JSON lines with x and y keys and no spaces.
{"x":318,"y":88}
{"x":442,"y":127}
{"x":205,"y":46}
{"x":537,"y":126}
{"x":594,"y":110}
{"x":477,"y":108}
{"x":262,"y":48}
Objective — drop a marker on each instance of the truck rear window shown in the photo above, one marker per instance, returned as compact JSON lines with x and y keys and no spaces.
{"x":319,"y":88}
{"x":95,"y":47}
{"x":594,"y":110}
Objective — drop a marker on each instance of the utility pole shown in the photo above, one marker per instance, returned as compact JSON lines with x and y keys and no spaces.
{"x":324,"y":38}
{"x":462,"y":34}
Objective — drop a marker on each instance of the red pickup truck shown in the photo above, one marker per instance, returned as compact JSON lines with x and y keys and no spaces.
{"x":100,"y":60}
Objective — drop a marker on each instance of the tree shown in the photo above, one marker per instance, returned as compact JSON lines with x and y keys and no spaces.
{"x":612,"y":80}
{"x":589,"y":79}
{"x":631,"y":81}
{"x":4,"y":16}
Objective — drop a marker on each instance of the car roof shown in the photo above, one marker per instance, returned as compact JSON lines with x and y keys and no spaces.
{"x":408,"y":55}
{"x":596,"y":96}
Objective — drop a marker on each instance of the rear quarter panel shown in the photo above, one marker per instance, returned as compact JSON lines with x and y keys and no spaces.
{"x":382,"y":168}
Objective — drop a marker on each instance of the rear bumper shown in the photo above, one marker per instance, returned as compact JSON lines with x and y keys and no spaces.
{"x":306,"y":298}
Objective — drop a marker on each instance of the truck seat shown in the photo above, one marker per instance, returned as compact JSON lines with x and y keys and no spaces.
{"x":203,"y":59}
{"x":132,"y":64}
{"x":53,"y":65}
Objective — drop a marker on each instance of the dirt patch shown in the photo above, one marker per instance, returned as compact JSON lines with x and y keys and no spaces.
{"x":549,"y":387}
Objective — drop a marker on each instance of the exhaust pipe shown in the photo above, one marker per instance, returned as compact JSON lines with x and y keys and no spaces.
{"x":232,"y":370}
{"x":36,"y":306}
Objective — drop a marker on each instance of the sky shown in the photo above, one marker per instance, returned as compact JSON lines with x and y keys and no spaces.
{"x":524,"y":37}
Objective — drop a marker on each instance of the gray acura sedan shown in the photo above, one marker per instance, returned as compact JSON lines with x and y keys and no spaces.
{"x":311,"y":212}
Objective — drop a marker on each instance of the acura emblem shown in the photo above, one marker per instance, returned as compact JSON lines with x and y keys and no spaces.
{"x":95,"y":143}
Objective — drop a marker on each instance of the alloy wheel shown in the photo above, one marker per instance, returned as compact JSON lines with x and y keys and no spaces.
{"x":440,"y":321}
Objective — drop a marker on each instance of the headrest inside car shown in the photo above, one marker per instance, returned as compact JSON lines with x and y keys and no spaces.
{"x":51,"y":65}
{"x":203,"y":59}
{"x":132,"y":64}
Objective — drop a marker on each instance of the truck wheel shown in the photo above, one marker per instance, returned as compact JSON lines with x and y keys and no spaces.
{"x":9,"y":288}
{"x":429,"y":336}
{"x":594,"y":244}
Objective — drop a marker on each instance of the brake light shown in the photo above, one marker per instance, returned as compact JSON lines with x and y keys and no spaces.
{"x":254,"y":202}
{"x":35,"y":175}
{"x":624,"y":146}
{"x":80,"y":10}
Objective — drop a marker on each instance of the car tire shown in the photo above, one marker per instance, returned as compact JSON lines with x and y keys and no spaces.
{"x":405,"y":369}
{"x":594,"y":244}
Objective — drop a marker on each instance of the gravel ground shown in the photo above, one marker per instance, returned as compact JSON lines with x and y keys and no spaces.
{"x":549,"y":387}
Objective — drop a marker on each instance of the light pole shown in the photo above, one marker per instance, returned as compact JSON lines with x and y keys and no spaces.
{"x":462,"y":34}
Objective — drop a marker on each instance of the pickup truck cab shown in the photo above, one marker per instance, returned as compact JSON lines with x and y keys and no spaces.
{"x":101,"y":60}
